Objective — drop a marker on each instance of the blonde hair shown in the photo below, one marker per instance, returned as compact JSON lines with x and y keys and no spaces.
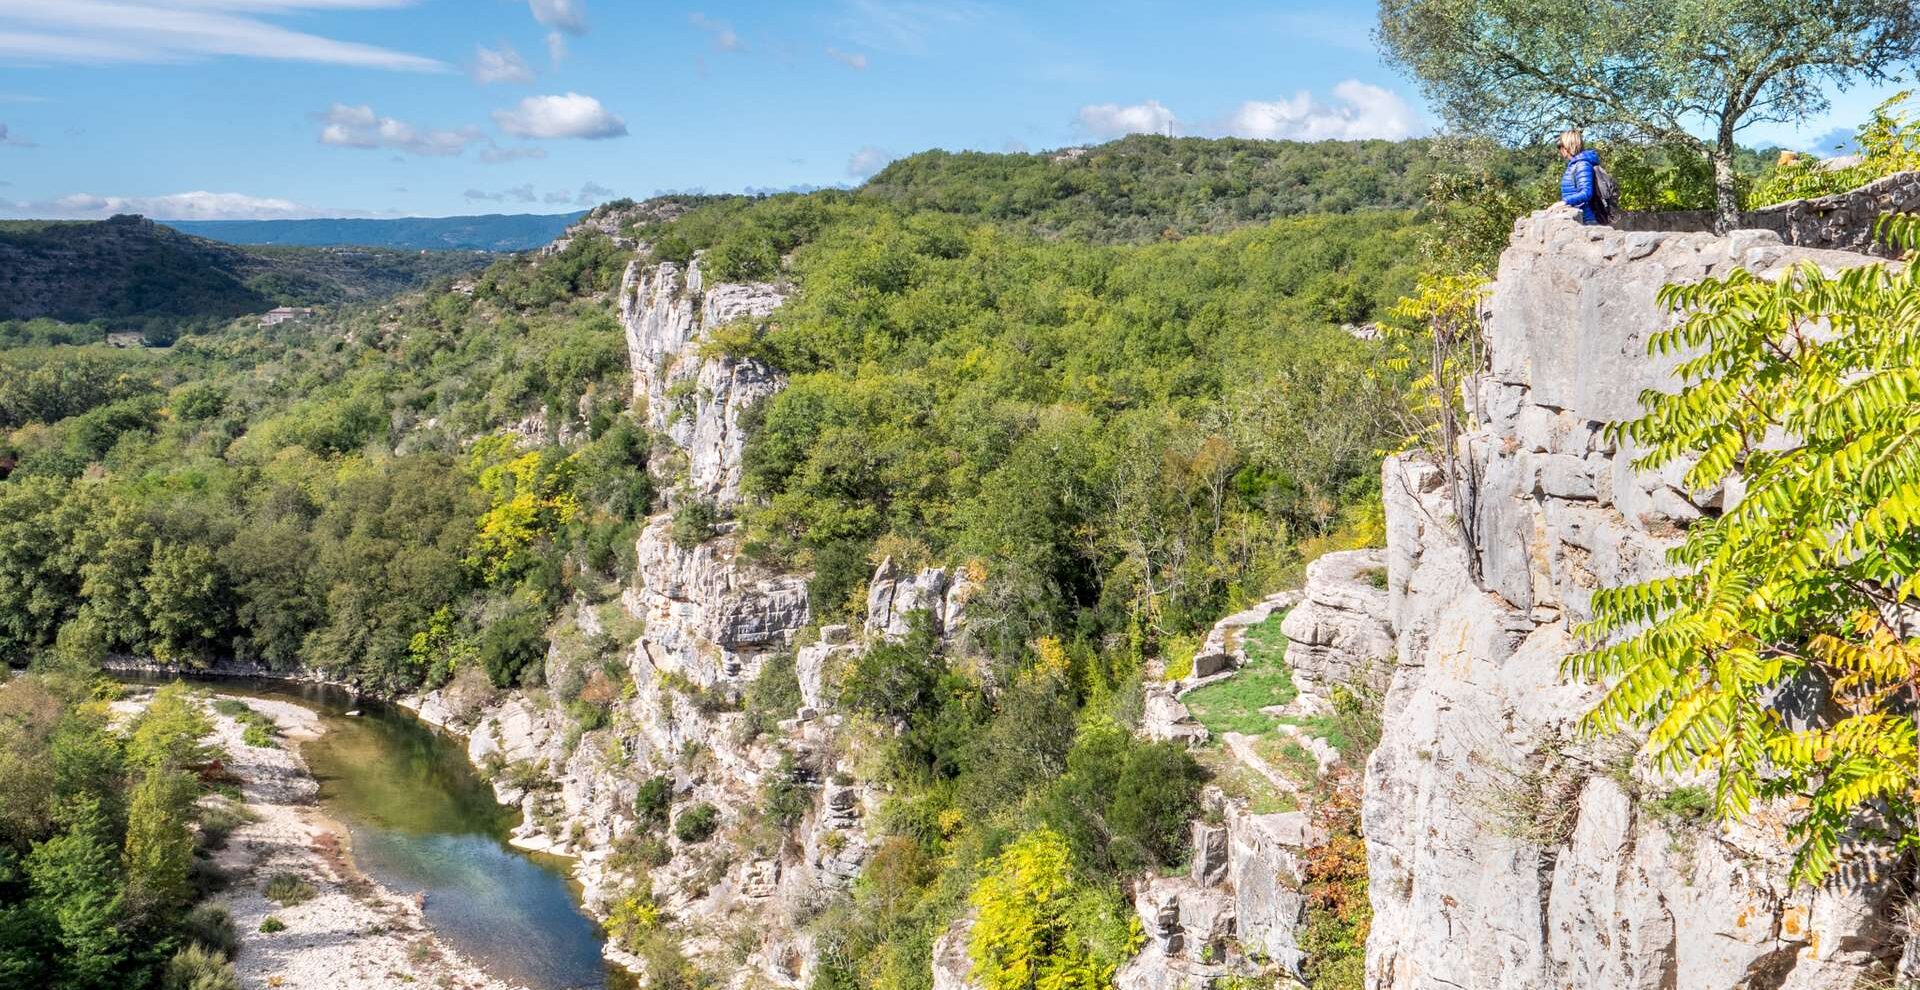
{"x":1571,"y":142}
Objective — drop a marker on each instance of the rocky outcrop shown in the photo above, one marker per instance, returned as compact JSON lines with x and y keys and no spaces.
{"x":695,"y":400}
{"x":1505,"y":850}
{"x":711,"y":615}
{"x":1342,"y":631}
{"x":893,"y":596}
{"x":1843,"y":221}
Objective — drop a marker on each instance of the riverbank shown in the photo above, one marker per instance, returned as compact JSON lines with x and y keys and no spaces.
{"x":352,"y":933}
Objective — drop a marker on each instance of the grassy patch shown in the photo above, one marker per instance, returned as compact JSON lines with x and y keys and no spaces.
{"x":1233,"y":705}
{"x":288,"y":889}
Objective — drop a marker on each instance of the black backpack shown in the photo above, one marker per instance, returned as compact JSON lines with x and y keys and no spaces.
{"x":1606,"y":194}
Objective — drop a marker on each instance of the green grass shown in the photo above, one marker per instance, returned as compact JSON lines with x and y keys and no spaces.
{"x":1233,"y":705}
{"x":288,"y":889}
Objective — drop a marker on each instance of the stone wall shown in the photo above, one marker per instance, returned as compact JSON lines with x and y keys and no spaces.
{"x":1843,"y":221}
{"x":1505,"y":850}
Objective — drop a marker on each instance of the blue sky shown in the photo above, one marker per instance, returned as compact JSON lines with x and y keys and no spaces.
{"x":257,"y":108}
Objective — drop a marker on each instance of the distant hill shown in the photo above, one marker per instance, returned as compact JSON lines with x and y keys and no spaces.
{"x":1145,"y":187}
{"x":492,"y":232}
{"x":140,"y":274}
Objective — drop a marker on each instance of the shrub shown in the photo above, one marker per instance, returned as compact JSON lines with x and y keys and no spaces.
{"x":786,"y":797}
{"x":694,"y":522}
{"x":259,"y":736}
{"x":196,"y":967}
{"x":697,"y":824}
{"x":654,"y":801}
{"x":773,"y":695}
{"x":211,"y":926}
{"x":271,"y":924}
{"x":289,"y":889}
{"x":513,"y":647}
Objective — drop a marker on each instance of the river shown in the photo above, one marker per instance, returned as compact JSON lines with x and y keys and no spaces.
{"x":423,"y":821}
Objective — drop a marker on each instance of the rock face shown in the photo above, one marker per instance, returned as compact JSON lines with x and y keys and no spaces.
{"x":695,"y":402}
{"x":1342,"y":632}
{"x":1504,"y":851}
{"x":1843,"y":221}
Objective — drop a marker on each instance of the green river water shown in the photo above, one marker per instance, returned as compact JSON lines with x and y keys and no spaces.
{"x":424,"y":822}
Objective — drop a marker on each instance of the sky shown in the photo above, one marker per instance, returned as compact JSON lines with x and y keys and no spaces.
{"x":219,"y":109}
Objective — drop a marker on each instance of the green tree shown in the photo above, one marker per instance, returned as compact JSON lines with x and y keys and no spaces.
{"x":1660,"y":69}
{"x":1036,"y":929}
{"x":187,"y":605}
{"x":76,"y":888}
{"x":159,"y":848}
{"x":1804,"y":584}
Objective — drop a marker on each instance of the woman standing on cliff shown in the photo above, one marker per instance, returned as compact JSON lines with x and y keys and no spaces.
{"x":1578,"y":186}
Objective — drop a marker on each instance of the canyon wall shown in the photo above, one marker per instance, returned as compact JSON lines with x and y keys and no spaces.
{"x":1505,"y":850}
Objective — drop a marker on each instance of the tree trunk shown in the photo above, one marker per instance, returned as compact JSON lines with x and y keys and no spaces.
{"x":1726,"y":201}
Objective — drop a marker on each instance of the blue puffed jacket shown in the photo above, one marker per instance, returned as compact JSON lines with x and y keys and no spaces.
{"x":1577,"y":185}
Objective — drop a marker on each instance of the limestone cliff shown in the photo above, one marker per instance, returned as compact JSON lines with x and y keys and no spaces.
{"x":1504,"y":851}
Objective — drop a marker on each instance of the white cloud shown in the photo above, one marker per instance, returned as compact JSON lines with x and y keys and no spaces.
{"x":557,"y":197}
{"x":854,"y":60}
{"x":556,"y":46}
{"x":724,"y":38}
{"x":592,"y":194}
{"x":868,"y":160}
{"x":561,"y":15}
{"x":569,"y":116}
{"x":481,"y":195}
{"x":1360,"y":110}
{"x":198,"y":205}
{"x":359,"y":127}
{"x":8,"y":140}
{"x":1114,"y":120}
{"x":42,"y":31}
{"x":498,"y":65}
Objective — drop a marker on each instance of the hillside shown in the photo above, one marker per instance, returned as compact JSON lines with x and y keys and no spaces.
{"x":134,"y":273}
{"x":489,"y":232}
{"x":1145,"y":187}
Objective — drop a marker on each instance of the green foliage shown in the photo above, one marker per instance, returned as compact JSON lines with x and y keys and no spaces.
{"x":288,"y":890}
{"x":785,"y":797}
{"x":773,"y":695}
{"x":654,"y":801}
{"x":1038,"y":930}
{"x":1889,"y":142}
{"x":696,"y":824}
{"x":1516,"y":71}
{"x":211,"y":925}
{"x":272,"y":924}
{"x":1122,"y":805}
{"x":1144,"y":188}
{"x":160,"y":841}
{"x":694,"y":522}
{"x":1800,"y":581}
{"x":199,"y":967}
{"x":512,"y":647}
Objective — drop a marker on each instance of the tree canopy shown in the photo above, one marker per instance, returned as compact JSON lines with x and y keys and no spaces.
{"x":1668,"y":71}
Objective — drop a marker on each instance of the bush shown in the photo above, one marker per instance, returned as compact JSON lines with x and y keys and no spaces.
{"x":271,"y":924}
{"x":259,"y":736}
{"x":513,"y":647}
{"x":697,"y":824}
{"x":694,"y":522}
{"x":195,"y":967}
{"x":211,"y":926}
{"x":654,"y":802}
{"x":773,"y":695}
{"x":289,"y":889}
{"x":786,"y":797}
